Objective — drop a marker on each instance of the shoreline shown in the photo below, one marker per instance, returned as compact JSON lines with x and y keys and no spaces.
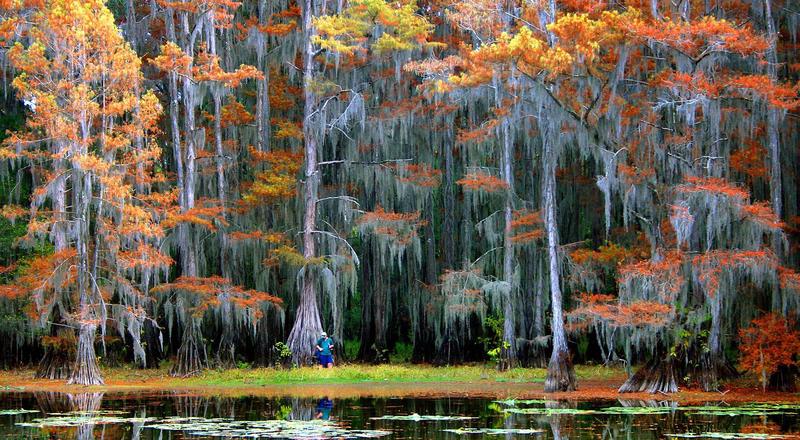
{"x":238,"y":383}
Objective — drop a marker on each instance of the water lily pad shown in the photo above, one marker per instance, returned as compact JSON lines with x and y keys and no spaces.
{"x":421,"y":418}
{"x":552,"y":411}
{"x":67,"y":421}
{"x":494,"y":431}
{"x":515,"y":402}
{"x":263,"y":428}
{"x":14,"y":412}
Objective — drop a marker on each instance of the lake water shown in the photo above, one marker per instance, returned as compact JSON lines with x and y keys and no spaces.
{"x":185,"y":416}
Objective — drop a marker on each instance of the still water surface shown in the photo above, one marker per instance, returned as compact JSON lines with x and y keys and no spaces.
{"x":184,"y":416}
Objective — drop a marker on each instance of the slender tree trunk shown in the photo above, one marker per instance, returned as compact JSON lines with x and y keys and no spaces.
{"x":57,"y":363}
{"x":307,"y":325}
{"x":560,"y":372}
{"x":509,"y":352}
{"x":262,"y":104}
{"x":86,"y":370}
{"x":773,"y":127}
{"x":449,"y":232}
{"x":224,"y":268}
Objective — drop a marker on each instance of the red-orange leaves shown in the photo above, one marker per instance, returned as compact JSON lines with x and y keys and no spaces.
{"x":399,"y":228}
{"x":480,"y":181}
{"x":526,"y":226}
{"x":701,"y":37}
{"x":714,"y":185}
{"x":762,"y":213}
{"x":709,"y":267}
{"x":421,"y":175}
{"x":749,"y":160}
{"x":771,"y":341}
{"x":777,"y":95}
{"x":661,"y":276}
{"x":234,"y":113}
{"x":209,"y":292}
{"x":207,"y":214}
{"x":610,"y":311}
{"x":145,"y":257}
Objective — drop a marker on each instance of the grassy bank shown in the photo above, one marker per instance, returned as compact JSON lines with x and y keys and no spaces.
{"x":355,"y":373}
{"x":394,"y":380}
{"x":344,"y":374}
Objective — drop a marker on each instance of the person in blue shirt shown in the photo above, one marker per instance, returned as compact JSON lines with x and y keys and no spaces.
{"x":325,"y":351}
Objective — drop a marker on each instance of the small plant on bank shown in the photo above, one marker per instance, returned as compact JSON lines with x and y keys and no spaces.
{"x":283,"y":354}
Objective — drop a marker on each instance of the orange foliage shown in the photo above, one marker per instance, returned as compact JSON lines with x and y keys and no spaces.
{"x":608,"y":309}
{"x":713,"y":185}
{"x":770,"y":342}
{"x":212,"y":291}
{"x":234,"y":113}
{"x":207,"y":214}
{"x":422,"y":175}
{"x":145,"y":257}
{"x":526,"y":226}
{"x":663,"y":273}
{"x":269,"y":237}
{"x":790,"y":279}
{"x":709,"y":266}
{"x":777,"y":95}
{"x":479,"y":181}
{"x":699,"y":37}
{"x":749,"y":160}
{"x":634,"y":176}
{"x":12,"y":212}
{"x":762,"y":213}
{"x":399,"y":227}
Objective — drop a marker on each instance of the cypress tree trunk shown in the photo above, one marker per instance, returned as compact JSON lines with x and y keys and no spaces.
{"x":86,"y":371}
{"x":509,"y":352}
{"x":560,"y":371}
{"x":262,"y":93}
{"x":713,"y":366}
{"x":657,"y":376}
{"x":307,"y":325}
{"x":192,"y":357}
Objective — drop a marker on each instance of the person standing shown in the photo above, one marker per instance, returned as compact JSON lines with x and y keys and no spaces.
{"x":325,"y":351}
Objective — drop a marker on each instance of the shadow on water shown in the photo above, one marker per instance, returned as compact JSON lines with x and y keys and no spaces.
{"x":176,"y":415}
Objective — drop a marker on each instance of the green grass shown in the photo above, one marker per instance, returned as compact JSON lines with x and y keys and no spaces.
{"x":392,"y":373}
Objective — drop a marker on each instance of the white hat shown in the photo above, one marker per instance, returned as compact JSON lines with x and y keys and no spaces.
{"x":324,"y":334}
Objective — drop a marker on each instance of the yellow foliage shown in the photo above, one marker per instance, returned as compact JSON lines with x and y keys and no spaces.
{"x":399,"y":26}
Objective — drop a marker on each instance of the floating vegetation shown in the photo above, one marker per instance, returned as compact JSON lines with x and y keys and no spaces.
{"x":414,"y":417}
{"x":68,"y":421}
{"x":515,"y":402}
{"x":755,"y":409}
{"x":263,"y":428}
{"x":552,"y":411}
{"x":14,"y":412}
{"x":730,"y":435}
{"x":494,"y":431}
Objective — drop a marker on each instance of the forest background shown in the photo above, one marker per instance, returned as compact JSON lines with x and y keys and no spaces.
{"x":533,"y":183}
